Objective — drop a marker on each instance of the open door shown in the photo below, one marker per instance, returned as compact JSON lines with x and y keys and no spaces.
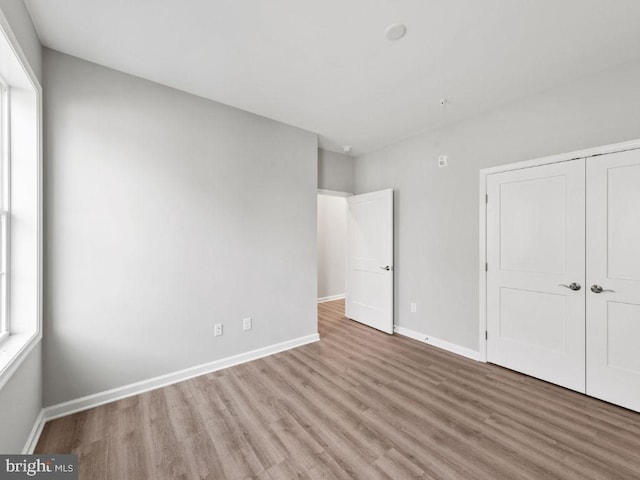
{"x":369,"y":281}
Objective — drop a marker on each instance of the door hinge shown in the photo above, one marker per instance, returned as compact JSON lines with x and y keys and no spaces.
{"x":486,"y":198}
{"x":486,"y":335}
{"x":486,"y":266}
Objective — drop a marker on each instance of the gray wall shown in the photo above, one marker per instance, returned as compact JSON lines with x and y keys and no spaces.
{"x":167,"y":213}
{"x":436,"y":210}
{"x":20,"y":403}
{"x":21,"y":396}
{"x":335,"y":171}
{"x":332,"y":245}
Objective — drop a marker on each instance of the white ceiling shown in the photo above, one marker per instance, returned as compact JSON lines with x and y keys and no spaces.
{"x":326,"y":66}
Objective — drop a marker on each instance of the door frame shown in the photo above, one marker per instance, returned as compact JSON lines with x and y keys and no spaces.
{"x":482,"y":223}
{"x":333,"y":193}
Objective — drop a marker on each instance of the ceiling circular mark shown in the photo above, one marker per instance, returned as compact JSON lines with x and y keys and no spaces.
{"x":395,"y":31}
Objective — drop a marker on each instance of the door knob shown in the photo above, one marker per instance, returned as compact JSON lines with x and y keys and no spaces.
{"x":573,"y":286}
{"x":387,"y":268}
{"x":599,"y":289}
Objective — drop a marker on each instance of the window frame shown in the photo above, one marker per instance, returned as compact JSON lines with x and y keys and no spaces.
{"x":24,"y":236}
{"x":5,"y":215}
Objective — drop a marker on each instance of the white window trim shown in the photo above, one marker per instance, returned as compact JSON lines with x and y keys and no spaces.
{"x":17,"y":346}
{"x":5,"y":324}
{"x":5,"y":209}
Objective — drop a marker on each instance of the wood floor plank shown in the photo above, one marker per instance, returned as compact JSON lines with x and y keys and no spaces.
{"x":359,"y":404}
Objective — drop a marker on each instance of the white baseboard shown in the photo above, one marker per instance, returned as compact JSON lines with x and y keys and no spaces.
{"x":331,"y":298}
{"x":96,"y":399}
{"x":436,"y":342}
{"x":34,"y":436}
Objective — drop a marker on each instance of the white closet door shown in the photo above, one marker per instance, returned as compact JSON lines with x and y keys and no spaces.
{"x":535,"y":243}
{"x":613,"y":265}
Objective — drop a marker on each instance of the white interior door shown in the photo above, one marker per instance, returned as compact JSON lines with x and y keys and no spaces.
{"x":535,"y":244}
{"x":613,"y":264}
{"x":369,"y":282}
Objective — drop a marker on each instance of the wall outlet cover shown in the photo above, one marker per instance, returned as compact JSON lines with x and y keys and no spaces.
{"x":443,"y":161}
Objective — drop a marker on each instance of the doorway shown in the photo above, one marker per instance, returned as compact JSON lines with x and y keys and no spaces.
{"x":332,"y":245}
{"x":355,"y":255}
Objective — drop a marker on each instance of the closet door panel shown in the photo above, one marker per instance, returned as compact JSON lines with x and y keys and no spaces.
{"x":613,"y":275}
{"x":535,"y":244}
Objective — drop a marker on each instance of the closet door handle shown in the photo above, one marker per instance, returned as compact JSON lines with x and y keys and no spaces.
{"x":573,"y":286}
{"x":599,"y":289}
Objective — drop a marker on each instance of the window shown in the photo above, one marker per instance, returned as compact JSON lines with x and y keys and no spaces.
{"x":20,"y":206}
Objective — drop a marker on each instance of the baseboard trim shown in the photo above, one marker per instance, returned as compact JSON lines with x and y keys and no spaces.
{"x":331,"y":298}
{"x":436,"y":342}
{"x":34,"y":435}
{"x":97,"y":399}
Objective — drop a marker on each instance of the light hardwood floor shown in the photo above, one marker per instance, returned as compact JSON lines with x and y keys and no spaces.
{"x":358,"y":404}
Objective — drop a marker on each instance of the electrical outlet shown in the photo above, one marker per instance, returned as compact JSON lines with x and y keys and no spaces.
{"x":414,"y":307}
{"x":443,"y":161}
{"x":246,"y":323}
{"x":217,"y":330}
